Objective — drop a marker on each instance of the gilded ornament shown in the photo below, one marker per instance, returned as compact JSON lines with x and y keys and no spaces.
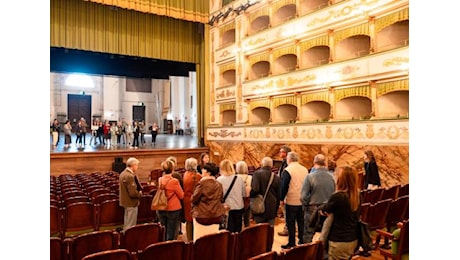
{"x":295,"y":133}
{"x":348,"y":133}
{"x":280,"y":134}
{"x":311,"y":133}
{"x":328,"y":132}
{"x":267,"y":132}
{"x":370,"y":131}
{"x":393,"y":132}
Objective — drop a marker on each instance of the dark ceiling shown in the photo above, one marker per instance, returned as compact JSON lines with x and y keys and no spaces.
{"x":70,"y":60}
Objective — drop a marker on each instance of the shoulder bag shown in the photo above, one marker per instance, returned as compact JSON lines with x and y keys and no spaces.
{"x":160,"y":201}
{"x":224,"y":220}
{"x":258,"y":203}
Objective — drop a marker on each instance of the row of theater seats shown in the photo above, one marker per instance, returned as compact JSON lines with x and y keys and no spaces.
{"x":82,"y":217}
{"x":392,"y":192}
{"x":146,"y":241}
{"x":383,"y":210}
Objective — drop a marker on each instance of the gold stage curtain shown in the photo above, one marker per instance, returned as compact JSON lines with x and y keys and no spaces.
{"x":189,"y":10}
{"x":77,"y":24}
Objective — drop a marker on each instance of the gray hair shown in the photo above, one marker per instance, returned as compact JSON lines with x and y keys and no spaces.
{"x":267,"y":161}
{"x":132,"y":161}
{"x":292,"y":156}
{"x":241,"y":167}
{"x":191,"y":164}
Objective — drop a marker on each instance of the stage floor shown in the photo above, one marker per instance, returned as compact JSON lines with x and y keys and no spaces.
{"x":163,"y":141}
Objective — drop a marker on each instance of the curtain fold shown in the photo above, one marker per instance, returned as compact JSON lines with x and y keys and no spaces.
{"x":189,"y":10}
{"x":317,"y":96}
{"x":259,"y":103}
{"x":390,"y":19}
{"x":387,"y":87}
{"x":362,"y":91}
{"x":83,"y":25}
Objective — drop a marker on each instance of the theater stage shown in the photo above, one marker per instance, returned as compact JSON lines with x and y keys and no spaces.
{"x":101,"y":158}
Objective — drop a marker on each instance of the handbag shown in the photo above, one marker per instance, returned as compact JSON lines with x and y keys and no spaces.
{"x":258,"y":202}
{"x":160,"y":201}
{"x":364,"y":237}
{"x":224,"y":218}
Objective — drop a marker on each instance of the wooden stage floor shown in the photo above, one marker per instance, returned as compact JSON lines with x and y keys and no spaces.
{"x":163,"y":141}
{"x":100,"y":158}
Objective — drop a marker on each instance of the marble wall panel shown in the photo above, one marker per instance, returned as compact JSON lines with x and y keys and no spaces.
{"x":393,"y":160}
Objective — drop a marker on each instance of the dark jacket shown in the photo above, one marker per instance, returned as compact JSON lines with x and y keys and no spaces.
{"x":372,"y":173}
{"x":206,"y":199}
{"x":259,"y":184}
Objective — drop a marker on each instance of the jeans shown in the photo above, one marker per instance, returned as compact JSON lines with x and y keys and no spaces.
{"x":309,"y":232}
{"x":171,"y":221}
{"x":294,"y":214}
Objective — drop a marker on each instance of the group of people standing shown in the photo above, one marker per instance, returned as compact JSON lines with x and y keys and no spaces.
{"x":206,"y":192}
{"x":107,"y":133}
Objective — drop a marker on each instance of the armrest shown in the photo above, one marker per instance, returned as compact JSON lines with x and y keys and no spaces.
{"x":384,"y":234}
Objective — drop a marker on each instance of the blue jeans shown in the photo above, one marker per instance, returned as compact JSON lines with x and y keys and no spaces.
{"x":309,"y":232}
{"x":294,"y":214}
{"x":171,"y":221}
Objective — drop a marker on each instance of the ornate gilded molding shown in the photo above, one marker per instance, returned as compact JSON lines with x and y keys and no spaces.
{"x":368,"y":132}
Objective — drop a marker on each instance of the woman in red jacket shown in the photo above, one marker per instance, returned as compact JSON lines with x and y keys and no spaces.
{"x":170,"y":218}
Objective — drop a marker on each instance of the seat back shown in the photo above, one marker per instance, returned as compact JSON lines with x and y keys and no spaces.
{"x":390,"y":193}
{"x":79,"y":218}
{"x":110,"y":215}
{"x":220,"y":245}
{"x":57,"y":250}
{"x":272,"y":255}
{"x":137,"y":238}
{"x":75,"y":199}
{"x":145,"y":214}
{"x":403,"y":247}
{"x":403,"y":190}
{"x":55,"y":221}
{"x":171,"y":250}
{"x":402,"y":242}
{"x":373,"y":196}
{"x":116,"y":254}
{"x":104,"y":197}
{"x":259,"y":236}
{"x":310,"y":251}
{"x":397,"y":211}
{"x":88,"y":243}
{"x":376,"y":216}
{"x":364,"y":210}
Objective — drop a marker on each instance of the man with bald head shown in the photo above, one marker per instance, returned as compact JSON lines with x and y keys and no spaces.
{"x":317,"y":187}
